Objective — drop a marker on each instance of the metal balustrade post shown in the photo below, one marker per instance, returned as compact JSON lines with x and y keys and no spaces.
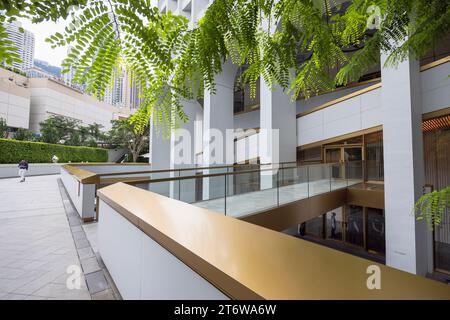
{"x":307,"y":179}
{"x":225,"y":198}
{"x":179,"y":185}
{"x":346,"y":172}
{"x":330,"y":173}
{"x":278,"y":187}
{"x":363,"y":166}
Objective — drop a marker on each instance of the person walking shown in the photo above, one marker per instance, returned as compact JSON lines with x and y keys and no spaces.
{"x":23,"y":167}
{"x":333,"y":225}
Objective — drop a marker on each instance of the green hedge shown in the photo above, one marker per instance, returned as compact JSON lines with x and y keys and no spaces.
{"x":12,"y":151}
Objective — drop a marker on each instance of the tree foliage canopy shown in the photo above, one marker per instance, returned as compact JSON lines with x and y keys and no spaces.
{"x":125,"y":134}
{"x":59,"y":129}
{"x":291,"y":43}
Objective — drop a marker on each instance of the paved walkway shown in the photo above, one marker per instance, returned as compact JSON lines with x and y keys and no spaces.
{"x":36,"y":243}
{"x":251,"y":202}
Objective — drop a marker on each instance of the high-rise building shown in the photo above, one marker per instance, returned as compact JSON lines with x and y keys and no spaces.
{"x":131,"y":92}
{"x":23,"y":41}
{"x":68,"y":77}
{"x":114,"y":91}
{"x":122,"y":92}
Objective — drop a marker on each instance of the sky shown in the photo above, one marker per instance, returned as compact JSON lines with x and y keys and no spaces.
{"x":43,"y":50}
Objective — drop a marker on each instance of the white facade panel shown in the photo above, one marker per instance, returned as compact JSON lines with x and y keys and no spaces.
{"x":46,"y":102}
{"x":371,"y":100}
{"x":435,"y":84}
{"x":3,"y":97}
{"x":342,"y":110}
{"x":310,"y":135}
{"x":310,"y":121}
{"x":342,"y":126}
{"x":358,"y":113}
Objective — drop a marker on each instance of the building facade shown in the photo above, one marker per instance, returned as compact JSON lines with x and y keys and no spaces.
{"x":14,"y":99}
{"x":390,"y":129}
{"x":24,"y":44}
{"x":25,"y":102}
{"x":49,"y":97}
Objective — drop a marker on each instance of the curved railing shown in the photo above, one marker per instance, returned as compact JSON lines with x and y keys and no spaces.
{"x":239,"y":193}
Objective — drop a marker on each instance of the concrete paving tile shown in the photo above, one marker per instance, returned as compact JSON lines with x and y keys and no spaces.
{"x":100,"y":260}
{"x":60,"y":291}
{"x":11,"y":273}
{"x":13,"y":296}
{"x":76,"y":228}
{"x":83,"y":243}
{"x":80,"y":235}
{"x":36,"y":283}
{"x":37,"y":244}
{"x":9,"y":285}
{"x":96,"y":282}
{"x":31,"y":297}
{"x":104,"y":295}
{"x":90,"y":265}
{"x":85,"y":253}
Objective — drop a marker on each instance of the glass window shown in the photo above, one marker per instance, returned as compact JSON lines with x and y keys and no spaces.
{"x":355,"y":232}
{"x":442,"y":244}
{"x":376,"y":230}
{"x":374,"y":156}
{"x":314,"y":227}
{"x":310,"y":155}
{"x":335,"y":219}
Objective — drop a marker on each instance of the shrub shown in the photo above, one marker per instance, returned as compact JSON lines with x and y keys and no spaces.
{"x":12,"y":151}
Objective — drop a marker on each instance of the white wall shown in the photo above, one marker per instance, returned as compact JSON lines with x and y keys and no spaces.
{"x":406,"y":238}
{"x":159,"y":158}
{"x":143,"y":269}
{"x":247,"y":120}
{"x":82,"y":195}
{"x":246,"y":148}
{"x":306,"y":104}
{"x":435,"y":83}
{"x":218,"y":125}
{"x":366,"y":110}
{"x":45,"y":102}
{"x":184,"y":141}
{"x":277,"y":124}
{"x":14,"y":102}
{"x":360,"y":112}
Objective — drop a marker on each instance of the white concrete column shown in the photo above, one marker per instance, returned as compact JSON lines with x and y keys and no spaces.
{"x":406,"y":238}
{"x":182,"y":152}
{"x":159,"y":159}
{"x":278,"y":135}
{"x":218,"y":129}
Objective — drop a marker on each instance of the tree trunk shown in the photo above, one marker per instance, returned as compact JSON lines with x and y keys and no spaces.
{"x":135,"y":155}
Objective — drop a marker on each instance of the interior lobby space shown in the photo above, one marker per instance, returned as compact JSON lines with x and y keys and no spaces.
{"x":361,"y":229}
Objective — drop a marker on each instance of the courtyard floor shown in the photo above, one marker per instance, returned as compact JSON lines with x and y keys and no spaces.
{"x":43,"y":244}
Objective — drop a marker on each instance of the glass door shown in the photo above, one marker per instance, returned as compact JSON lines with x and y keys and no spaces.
{"x":353,"y":157}
{"x":354,"y":233}
{"x":334,"y":155}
